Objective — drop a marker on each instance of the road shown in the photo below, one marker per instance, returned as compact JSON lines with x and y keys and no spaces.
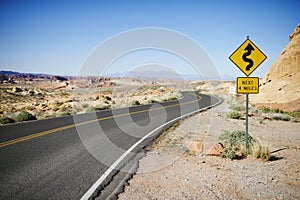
{"x":68,"y":157}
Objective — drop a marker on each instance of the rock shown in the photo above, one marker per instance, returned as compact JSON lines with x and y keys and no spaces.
{"x":295,"y":33}
{"x":3,"y":78}
{"x":196,"y":147}
{"x":253,"y":115}
{"x":108,"y":98}
{"x":31,"y":92}
{"x":16,"y":90}
{"x":11,"y":81}
{"x":161,"y":89}
{"x":280,"y":85}
{"x":217,"y":150}
{"x":267,"y":118}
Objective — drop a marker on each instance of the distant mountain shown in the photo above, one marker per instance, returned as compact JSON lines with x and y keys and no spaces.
{"x":147,"y":74}
{"x":169,"y":75}
{"x":18,"y":75}
{"x":9,"y":72}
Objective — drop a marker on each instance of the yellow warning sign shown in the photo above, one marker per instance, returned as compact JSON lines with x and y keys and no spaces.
{"x":247,"y":57}
{"x":247,"y":85}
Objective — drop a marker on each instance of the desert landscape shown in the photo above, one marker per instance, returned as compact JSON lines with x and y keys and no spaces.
{"x":186,"y":162}
{"x":150,"y":100}
{"x":46,"y":96}
{"x":190,"y":160}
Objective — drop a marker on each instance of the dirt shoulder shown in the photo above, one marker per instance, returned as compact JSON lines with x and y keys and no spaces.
{"x":170,"y":170}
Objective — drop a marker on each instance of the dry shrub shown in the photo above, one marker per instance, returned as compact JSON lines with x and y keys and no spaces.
{"x":262,"y":152}
{"x":24,"y":116}
{"x":234,"y":115}
{"x":234,"y":146}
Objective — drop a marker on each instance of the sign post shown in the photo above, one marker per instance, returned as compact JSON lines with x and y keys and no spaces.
{"x":232,"y":91}
{"x":247,"y":121}
{"x":247,"y":58}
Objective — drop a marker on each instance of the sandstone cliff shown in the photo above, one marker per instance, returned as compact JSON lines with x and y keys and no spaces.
{"x":280,"y":88}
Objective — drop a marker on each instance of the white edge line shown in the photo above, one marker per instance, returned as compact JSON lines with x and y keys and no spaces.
{"x":94,"y":187}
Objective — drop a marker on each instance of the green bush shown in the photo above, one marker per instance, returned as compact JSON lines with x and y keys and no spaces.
{"x":97,"y":108}
{"x":282,"y":117}
{"x":85,"y":105}
{"x":50,"y":116}
{"x":6,"y":120}
{"x":233,"y":143}
{"x":295,"y":115}
{"x":55,"y":108}
{"x":272,"y":110}
{"x":234,"y":115}
{"x":238,"y":108}
{"x":24,"y":116}
{"x":63,"y":108}
{"x":102,"y":107}
{"x":90,"y":109}
{"x":170,"y":99}
{"x":234,"y":146}
{"x":135,"y":103}
{"x":266,"y":110}
{"x":151,"y":101}
{"x":64,"y":114}
{"x":277,"y":110}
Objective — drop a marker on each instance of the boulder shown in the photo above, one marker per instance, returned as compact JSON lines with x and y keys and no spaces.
{"x":16,"y":90}
{"x":196,"y":147}
{"x":217,"y":150}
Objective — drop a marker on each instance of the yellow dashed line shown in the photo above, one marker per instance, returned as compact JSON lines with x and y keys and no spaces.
{"x":21,"y":139}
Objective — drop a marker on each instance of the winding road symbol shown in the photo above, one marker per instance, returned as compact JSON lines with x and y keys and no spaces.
{"x":249,"y":48}
{"x":247,"y":57}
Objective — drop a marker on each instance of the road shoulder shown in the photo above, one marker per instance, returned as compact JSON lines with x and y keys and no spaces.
{"x":170,"y":171}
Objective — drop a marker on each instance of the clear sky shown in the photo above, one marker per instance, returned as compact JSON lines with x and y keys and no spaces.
{"x":55,"y":37}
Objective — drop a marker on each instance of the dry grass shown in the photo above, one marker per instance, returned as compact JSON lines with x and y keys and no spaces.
{"x":234,"y":146}
{"x":262,"y":152}
{"x":161,"y":137}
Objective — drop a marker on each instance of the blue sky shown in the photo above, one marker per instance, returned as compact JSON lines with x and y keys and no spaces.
{"x":56,"y":37}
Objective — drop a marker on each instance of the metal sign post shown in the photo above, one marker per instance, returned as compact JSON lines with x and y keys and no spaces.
{"x":232,"y":92}
{"x":247,"y":101}
{"x":247,"y":58}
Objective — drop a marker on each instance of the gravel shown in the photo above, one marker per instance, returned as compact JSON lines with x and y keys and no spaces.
{"x":170,"y":171}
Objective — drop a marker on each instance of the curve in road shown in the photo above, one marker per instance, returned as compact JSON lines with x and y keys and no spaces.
{"x":67,"y":158}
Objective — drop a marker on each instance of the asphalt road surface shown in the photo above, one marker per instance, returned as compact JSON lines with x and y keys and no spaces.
{"x":70,"y":157}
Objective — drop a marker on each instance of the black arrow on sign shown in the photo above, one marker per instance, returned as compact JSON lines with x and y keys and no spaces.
{"x":248,"y":50}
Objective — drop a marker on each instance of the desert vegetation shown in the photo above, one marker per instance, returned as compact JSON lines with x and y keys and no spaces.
{"x":238,"y":111}
{"x":278,"y":114}
{"x":234,"y":143}
{"x":23,"y":100}
{"x":234,"y":115}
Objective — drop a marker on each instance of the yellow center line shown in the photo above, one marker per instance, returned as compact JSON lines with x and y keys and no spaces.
{"x":35,"y":135}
